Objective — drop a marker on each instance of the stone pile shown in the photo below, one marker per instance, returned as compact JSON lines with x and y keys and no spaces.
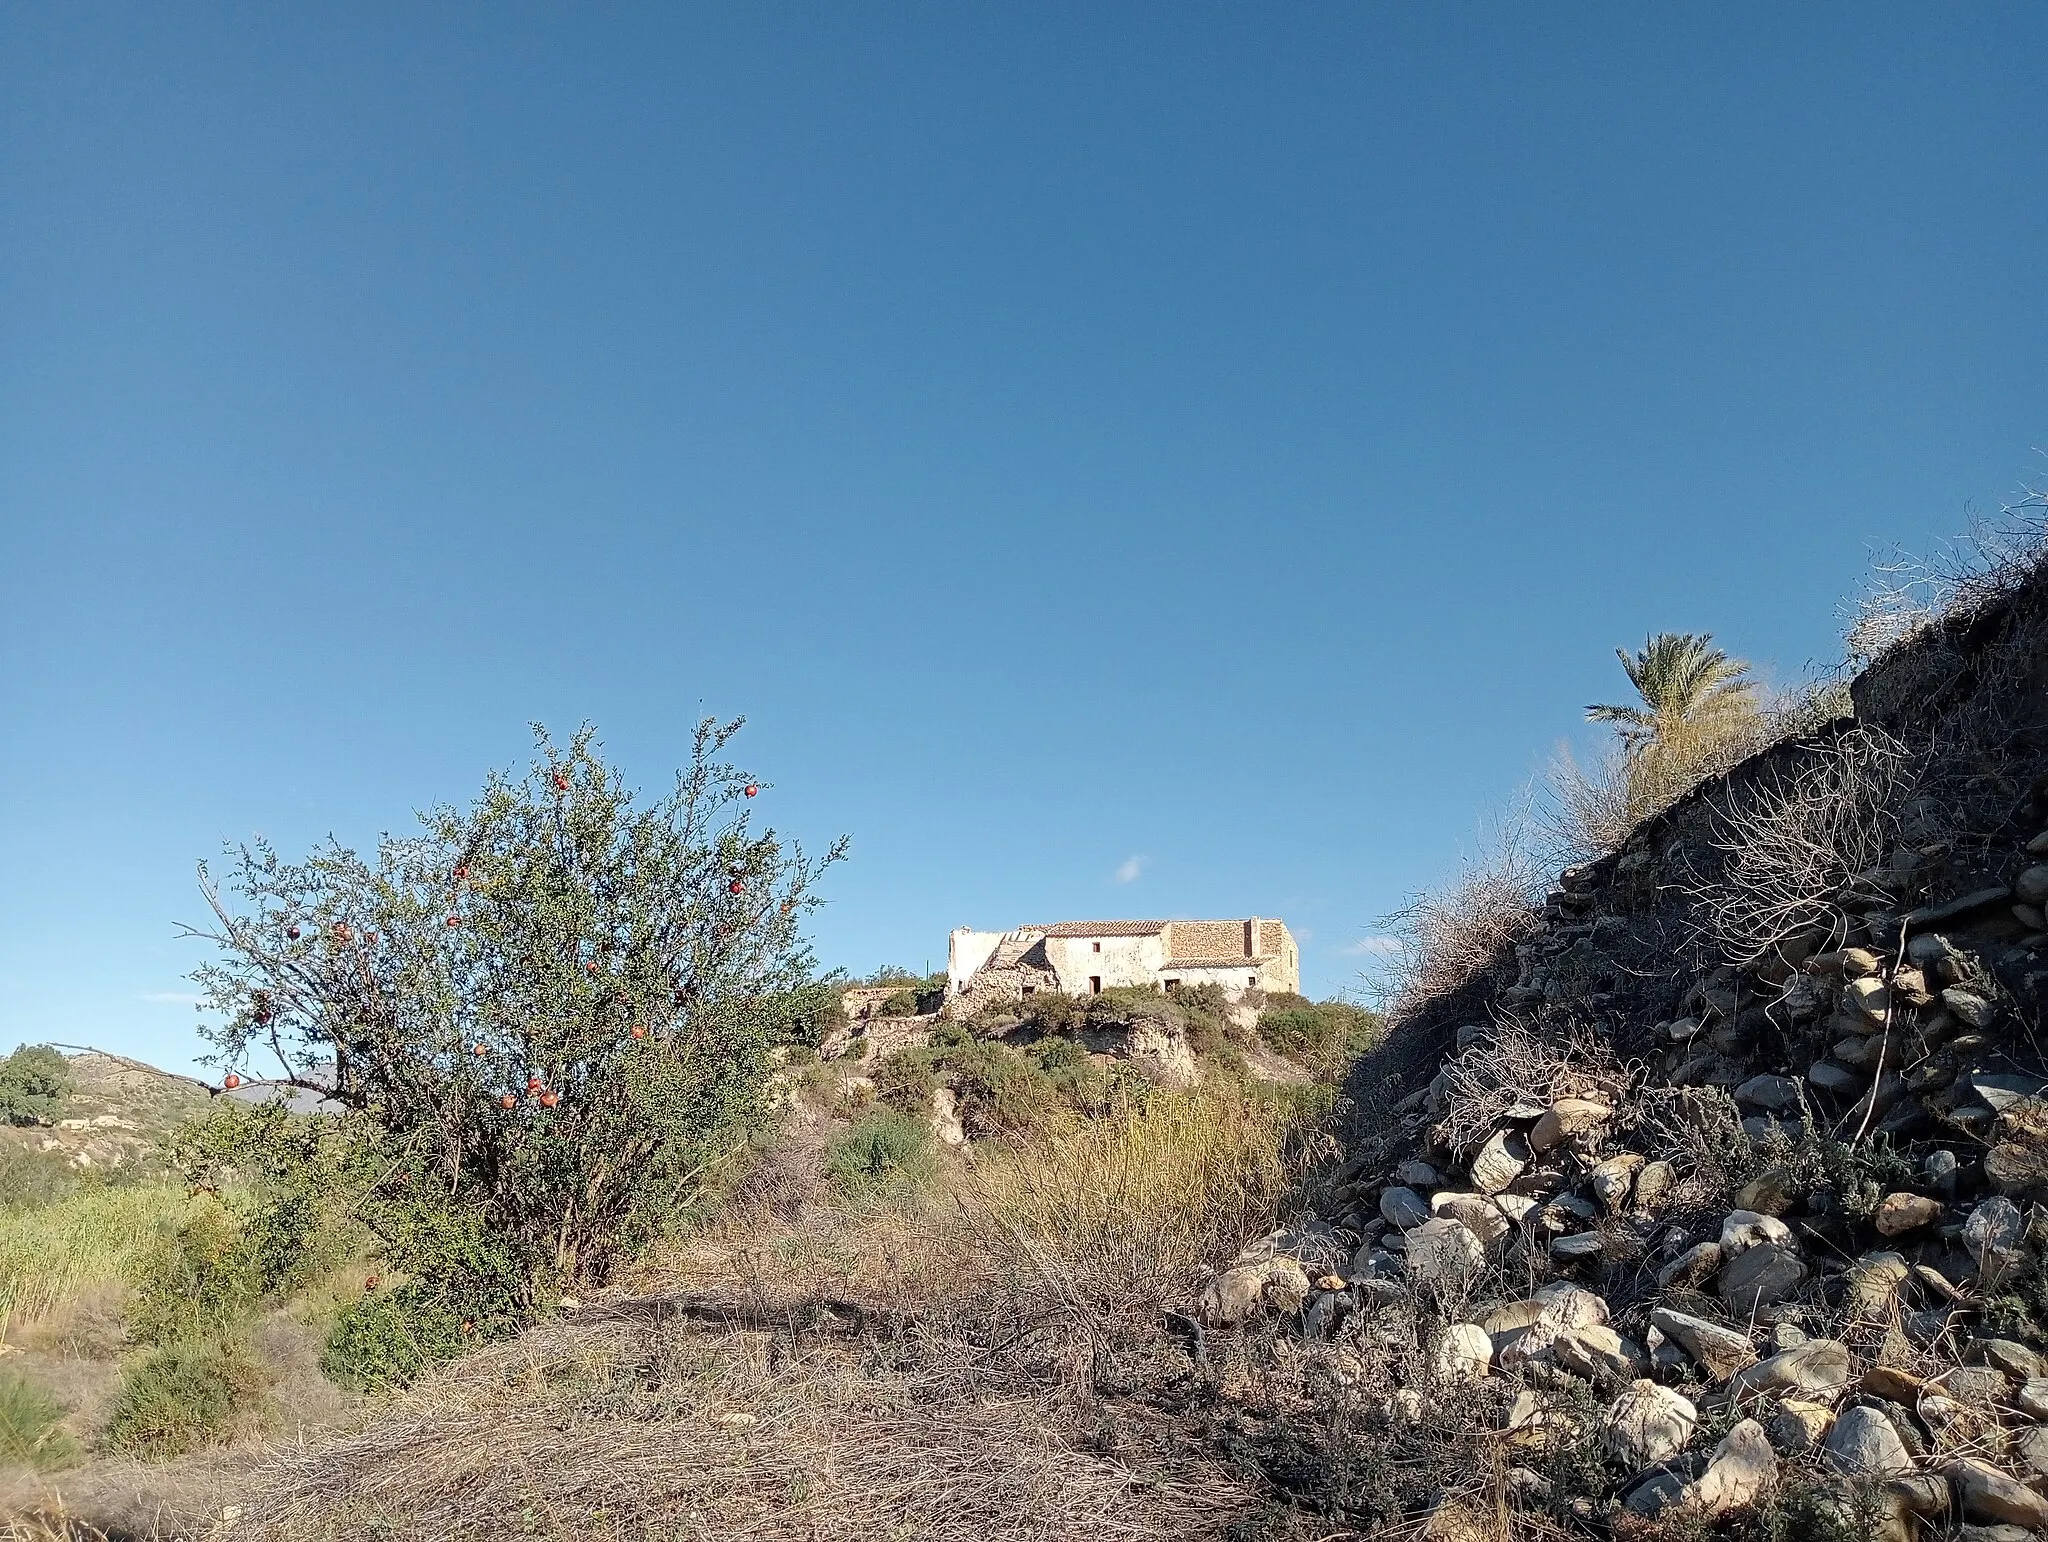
{"x":1855,"y":1307}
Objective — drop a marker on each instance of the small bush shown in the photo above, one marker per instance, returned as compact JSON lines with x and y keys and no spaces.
{"x":385,"y":1339}
{"x":197,"y":1283}
{"x":29,"y":1431}
{"x":1451,"y":933}
{"x":179,"y":1397}
{"x":1074,"y":1075}
{"x":309,"y":1180}
{"x":1325,"y":1036}
{"x":887,"y":1153}
{"x":1209,"y":1032}
{"x":34,"y":1082}
{"x":907,"y":1079}
{"x":31,"y":1179}
{"x":997,"y":1090}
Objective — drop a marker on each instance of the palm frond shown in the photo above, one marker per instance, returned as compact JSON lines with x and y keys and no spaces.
{"x":1635,"y":717}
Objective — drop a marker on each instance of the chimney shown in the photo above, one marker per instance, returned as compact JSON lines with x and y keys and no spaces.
{"x":1251,"y":938}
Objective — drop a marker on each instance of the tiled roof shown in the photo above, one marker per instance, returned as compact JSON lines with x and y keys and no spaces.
{"x":1234,"y":961}
{"x":1106,"y":929}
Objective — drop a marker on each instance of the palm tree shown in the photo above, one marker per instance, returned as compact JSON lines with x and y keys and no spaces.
{"x":1686,"y":684}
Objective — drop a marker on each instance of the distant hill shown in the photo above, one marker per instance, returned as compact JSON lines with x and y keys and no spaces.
{"x":117,"y":1114}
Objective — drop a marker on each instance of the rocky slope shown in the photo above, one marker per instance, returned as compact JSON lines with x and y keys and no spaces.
{"x":1715,"y":1200}
{"x":116,"y":1115}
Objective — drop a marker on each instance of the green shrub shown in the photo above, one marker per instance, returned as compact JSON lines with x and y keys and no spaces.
{"x":898,"y":1003}
{"x":385,"y":1339}
{"x":179,"y":1397}
{"x":29,"y":1431}
{"x":549,"y":1012}
{"x":198,"y":1282}
{"x":34,"y":1082}
{"x":30,"y":1180}
{"x":1072,"y":1074}
{"x":1324,"y":1036}
{"x":907,"y":1079}
{"x":888,"y":1152}
{"x":302,"y":1180}
{"x":997,"y":1090}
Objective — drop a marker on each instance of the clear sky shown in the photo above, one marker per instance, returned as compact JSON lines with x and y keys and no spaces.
{"x":1166,"y":459}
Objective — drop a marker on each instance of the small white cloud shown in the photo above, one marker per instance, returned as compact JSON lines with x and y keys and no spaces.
{"x":172,"y":998}
{"x":1129,"y":869}
{"x":1379,"y":947}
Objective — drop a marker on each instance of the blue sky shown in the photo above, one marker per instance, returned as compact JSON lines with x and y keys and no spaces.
{"x":1213,"y":447}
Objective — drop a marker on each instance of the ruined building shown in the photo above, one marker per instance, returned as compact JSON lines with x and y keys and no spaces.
{"x":1086,"y":957}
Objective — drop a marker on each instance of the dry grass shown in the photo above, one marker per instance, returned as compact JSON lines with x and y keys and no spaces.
{"x":1452,"y":933}
{"x":945,"y":1368}
{"x":1516,"y":1063}
{"x":97,"y":1238}
{"x":630,"y":1434}
{"x":1905,"y":594}
{"x":1593,"y":809}
{"x":1114,"y":1220}
{"x":1792,"y":839}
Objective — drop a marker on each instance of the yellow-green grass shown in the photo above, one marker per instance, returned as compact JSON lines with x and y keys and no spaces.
{"x":1127,"y":1212}
{"x":55,"y":1253}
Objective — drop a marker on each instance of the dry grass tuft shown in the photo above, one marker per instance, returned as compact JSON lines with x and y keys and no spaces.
{"x":1517,"y":1063}
{"x":1455,"y":932}
{"x":1111,"y":1221}
{"x":1594,"y":809}
{"x":1792,"y":839}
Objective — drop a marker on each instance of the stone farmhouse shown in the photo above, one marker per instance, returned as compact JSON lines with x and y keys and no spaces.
{"x":985,"y":969}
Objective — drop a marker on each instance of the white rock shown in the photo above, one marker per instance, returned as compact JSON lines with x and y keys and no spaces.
{"x":1565,"y":1118}
{"x":1649,"y":1424}
{"x":1722,"y":1351}
{"x":1402,"y":1208}
{"x":1742,"y":1467}
{"x":1613,"y":1178}
{"x":1463,"y":1354}
{"x":1500,"y":1162}
{"x":1760,"y":1276}
{"x":1486,"y":1219}
{"x":1799,"y":1426}
{"x":1443,"y":1253}
{"x":1742,"y":1229}
{"x":1864,"y":1443}
{"x":1986,"y":1494}
{"x":1596,"y":1350}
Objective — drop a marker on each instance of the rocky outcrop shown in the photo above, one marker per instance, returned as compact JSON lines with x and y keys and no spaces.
{"x":1741,"y":1128}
